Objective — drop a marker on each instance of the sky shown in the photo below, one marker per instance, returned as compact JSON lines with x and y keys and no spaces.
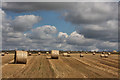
{"x":60,"y":25}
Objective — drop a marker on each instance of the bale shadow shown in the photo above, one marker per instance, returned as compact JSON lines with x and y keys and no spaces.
{"x":16,"y":63}
{"x":49,"y":58}
{"x":52,"y":58}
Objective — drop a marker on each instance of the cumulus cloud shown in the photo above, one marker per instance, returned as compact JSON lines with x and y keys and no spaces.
{"x":20,"y":23}
{"x":107,"y":31}
{"x":12,"y":38}
{"x":85,"y":15}
{"x":94,"y":21}
{"x":43,"y":37}
{"x":44,"y":32}
{"x":25,"y":22}
{"x":107,"y":45}
{"x":78,"y":39}
{"x":62,"y":37}
{"x":75,"y":41}
{"x":81,"y":12}
{"x":96,"y":26}
{"x":91,"y":13}
{"x":79,"y":42}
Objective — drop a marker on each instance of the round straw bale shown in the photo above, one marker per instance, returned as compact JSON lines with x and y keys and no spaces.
{"x":29,"y":54}
{"x":6,"y":53}
{"x":39,"y":53}
{"x":2,"y":54}
{"x":106,"y":55}
{"x":109,"y":53}
{"x":114,"y":51}
{"x":66,"y":54}
{"x":54,"y":54}
{"x":93,"y":53}
{"x":47,"y":53}
{"x":81,"y":55}
{"x":101,"y":55}
{"x":20,"y":57}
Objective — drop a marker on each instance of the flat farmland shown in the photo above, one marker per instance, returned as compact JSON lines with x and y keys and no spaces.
{"x":42,"y":66}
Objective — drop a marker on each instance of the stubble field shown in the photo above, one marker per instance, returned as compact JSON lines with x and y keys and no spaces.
{"x":42,"y":66}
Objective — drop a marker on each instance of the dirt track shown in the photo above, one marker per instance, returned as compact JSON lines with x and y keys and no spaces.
{"x":42,"y":66}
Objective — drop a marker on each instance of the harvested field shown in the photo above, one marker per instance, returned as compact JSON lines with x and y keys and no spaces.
{"x":65,"y":67}
{"x":7,"y":58}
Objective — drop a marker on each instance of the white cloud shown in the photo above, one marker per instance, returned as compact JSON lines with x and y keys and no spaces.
{"x":43,"y":32}
{"x":62,"y":38}
{"x":107,"y":31}
{"x":11,"y":37}
{"x":96,"y":27}
{"x":61,"y":34}
{"x":25,"y":22}
{"x":95,"y":21}
{"x":106,"y":45}
{"x":97,"y":17}
{"x":92,"y":13}
{"x":78,"y":39}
